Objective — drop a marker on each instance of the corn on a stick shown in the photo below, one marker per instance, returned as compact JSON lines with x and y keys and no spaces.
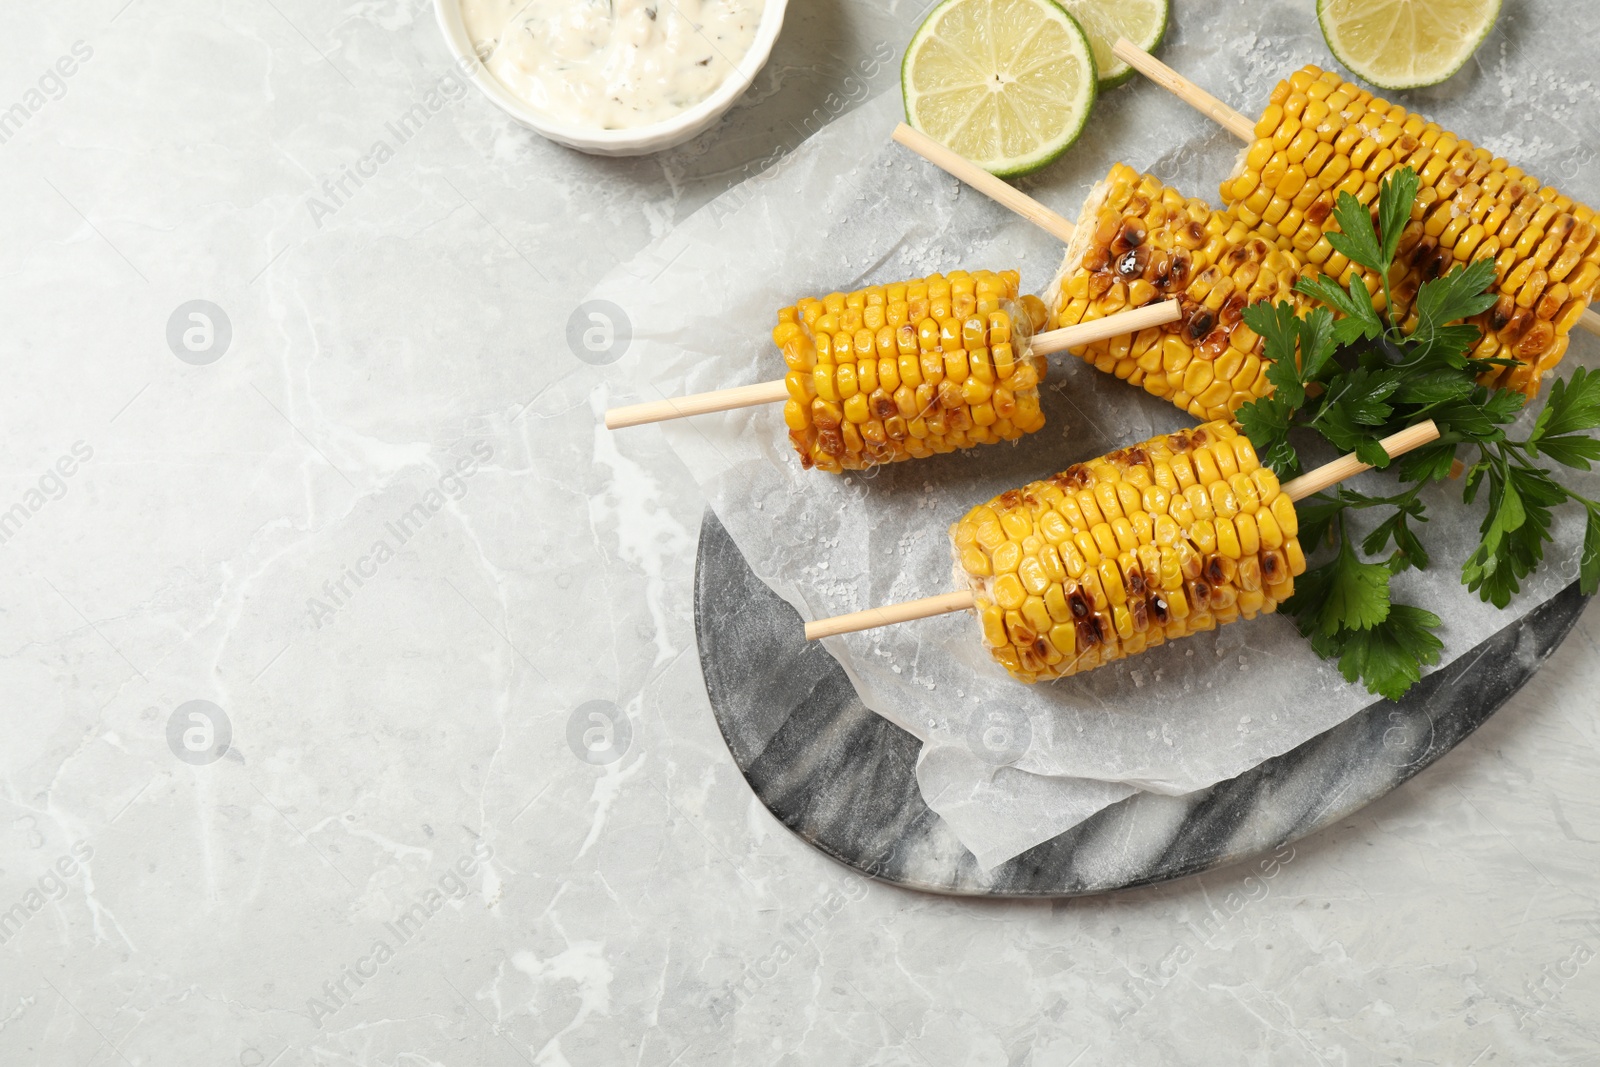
{"x":1138,"y":241}
{"x":1177,"y":535}
{"x":1320,"y":136}
{"x":776,"y":392}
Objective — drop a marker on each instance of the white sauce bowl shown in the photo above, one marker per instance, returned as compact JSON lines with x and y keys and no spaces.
{"x":635,"y":140}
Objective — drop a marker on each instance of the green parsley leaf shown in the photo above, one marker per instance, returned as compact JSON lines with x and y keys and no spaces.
{"x":1447,"y":346}
{"x":1360,"y":319}
{"x":1480,"y":417}
{"x":1357,"y":242}
{"x":1266,"y":422}
{"x":1354,"y":404}
{"x":1458,"y":295}
{"x":1431,"y":463}
{"x":1316,"y":515}
{"x":1571,"y":450}
{"x":1276,"y":324}
{"x":1408,"y":550}
{"x":1435,"y":387}
{"x":1574,"y":406}
{"x":1280,"y":332}
{"x":1370,"y":451}
{"x":1395,"y":198}
{"x":1344,"y":594}
{"x":1589,"y":563}
{"x":1515,"y":528}
{"x":1389,"y":657}
{"x":1317,"y":345}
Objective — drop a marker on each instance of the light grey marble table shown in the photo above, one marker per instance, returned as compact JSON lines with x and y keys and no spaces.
{"x":354,"y":528}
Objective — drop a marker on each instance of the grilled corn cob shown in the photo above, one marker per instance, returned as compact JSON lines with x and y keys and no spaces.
{"x":1320,"y":135}
{"x":1139,"y":241}
{"x":1107,"y":558}
{"x":904,"y":371}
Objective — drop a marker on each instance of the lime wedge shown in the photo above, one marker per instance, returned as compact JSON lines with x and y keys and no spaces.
{"x":1144,"y":22}
{"x":1008,"y":84}
{"x":1405,"y":44}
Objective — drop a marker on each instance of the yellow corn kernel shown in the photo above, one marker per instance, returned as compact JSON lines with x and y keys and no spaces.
{"x":1266,"y":484}
{"x":1155,"y":500}
{"x":1055,"y":602}
{"x":1245,"y":493}
{"x":1296,"y":558}
{"x":1111,"y":581}
{"x":1064,"y":637}
{"x":1127,"y":539}
{"x":1037,"y":616}
{"x":1224,"y":501}
{"x":1228,"y":540}
{"x":1283,"y":511}
{"x":1105,"y":495}
{"x":1267,"y":526}
{"x":1006,"y":557}
{"x":992,"y":618}
{"x":1104,"y":539}
{"x":1031,"y":572}
{"x":1248,"y":531}
{"x":1054,"y":570}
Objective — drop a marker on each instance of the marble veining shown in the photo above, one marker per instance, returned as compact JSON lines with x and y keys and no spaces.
{"x":844,"y":779}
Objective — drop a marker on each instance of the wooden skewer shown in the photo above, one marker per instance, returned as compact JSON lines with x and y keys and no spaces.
{"x":872,"y":618}
{"x":986,"y":183}
{"x":681,"y":407}
{"x":1235,"y":123}
{"x":749,"y":396}
{"x":1316,"y":481}
{"x":1184,"y":89}
{"x":1331,"y":474}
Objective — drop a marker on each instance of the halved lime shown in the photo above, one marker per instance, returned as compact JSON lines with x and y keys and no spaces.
{"x":1144,"y":22}
{"x":1007,"y":84}
{"x":1405,"y":44}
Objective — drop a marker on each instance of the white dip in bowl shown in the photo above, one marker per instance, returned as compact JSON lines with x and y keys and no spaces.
{"x":618,"y":77}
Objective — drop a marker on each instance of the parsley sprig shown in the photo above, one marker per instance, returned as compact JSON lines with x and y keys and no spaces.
{"x":1352,"y":375}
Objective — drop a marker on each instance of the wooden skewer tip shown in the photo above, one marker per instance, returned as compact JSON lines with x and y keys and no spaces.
{"x":995,"y":189}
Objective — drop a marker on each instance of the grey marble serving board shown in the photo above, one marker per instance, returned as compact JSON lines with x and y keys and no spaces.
{"x":843,"y":779}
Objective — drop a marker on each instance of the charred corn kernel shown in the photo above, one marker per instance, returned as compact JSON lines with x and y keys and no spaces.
{"x":1470,"y":206}
{"x":1065,"y":581}
{"x":1144,"y":247}
{"x":890,"y":373}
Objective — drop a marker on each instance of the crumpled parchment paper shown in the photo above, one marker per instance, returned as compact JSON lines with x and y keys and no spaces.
{"x":1007,"y":765}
